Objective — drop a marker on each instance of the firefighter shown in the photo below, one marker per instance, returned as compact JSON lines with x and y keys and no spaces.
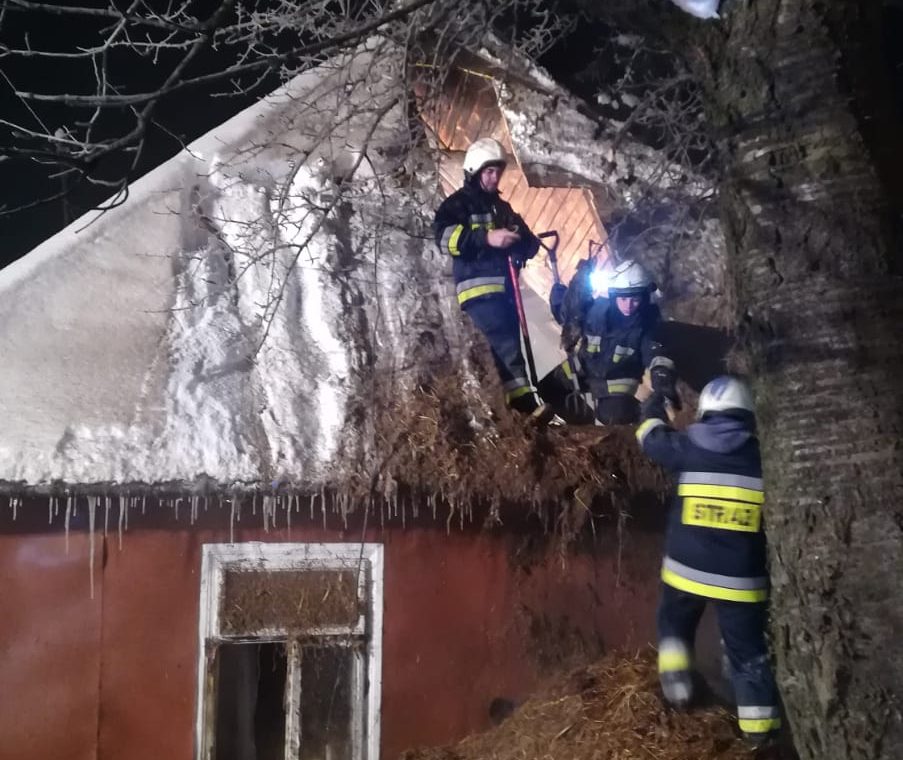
{"x":715,"y":549}
{"x":480,"y":231}
{"x":616,"y":329}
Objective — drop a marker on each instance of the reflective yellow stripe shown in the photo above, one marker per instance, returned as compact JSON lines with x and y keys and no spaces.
{"x":622,"y":388}
{"x":713,"y":592}
{"x":761,"y":726}
{"x":517,"y":393}
{"x":723,"y":492}
{"x":453,"y":240}
{"x":592,"y":349}
{"x":668,"y":662}
{"x":724,"y":515}
{"x":481,"y":290}
{"x":566,"y":366}
{"x":643,"y":430}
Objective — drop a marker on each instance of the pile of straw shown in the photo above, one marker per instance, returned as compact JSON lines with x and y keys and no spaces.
{"x":609,"y":711}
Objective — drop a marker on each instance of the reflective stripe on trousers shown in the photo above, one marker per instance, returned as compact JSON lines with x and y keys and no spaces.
{"x":622,"y":352}
{"x":713,"y":585}
{"x":519,"y":386}
{"x":479,"y":286}
{"x":758,"y":719}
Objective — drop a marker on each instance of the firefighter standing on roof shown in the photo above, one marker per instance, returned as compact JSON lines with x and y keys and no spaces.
{"x":479,"y":231}
{"x":715,"y":549}
{"x":618,"y":342}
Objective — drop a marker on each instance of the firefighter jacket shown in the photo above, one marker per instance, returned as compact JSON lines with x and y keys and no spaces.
{"x":617,"y":350}
{"x":715,"y":545}
{"x":460,"y":228}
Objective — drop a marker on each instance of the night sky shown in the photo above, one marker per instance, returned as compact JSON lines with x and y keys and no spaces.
{"x":184,"y":116}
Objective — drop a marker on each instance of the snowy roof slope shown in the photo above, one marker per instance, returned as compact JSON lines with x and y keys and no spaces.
{"x":227,"y":322}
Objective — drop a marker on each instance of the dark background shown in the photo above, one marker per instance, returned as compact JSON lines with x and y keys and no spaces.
{"x":182,"y":117}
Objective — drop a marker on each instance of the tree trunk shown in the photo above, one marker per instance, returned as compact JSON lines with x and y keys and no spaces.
{"x":809,"y":219}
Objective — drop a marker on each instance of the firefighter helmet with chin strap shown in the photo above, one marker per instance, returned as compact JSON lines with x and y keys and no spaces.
{"x":630,"y":278}
{"x":484,"y":152}
{"x":725,"y":394}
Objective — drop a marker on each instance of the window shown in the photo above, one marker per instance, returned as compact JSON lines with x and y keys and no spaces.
{"x":289,"y":652}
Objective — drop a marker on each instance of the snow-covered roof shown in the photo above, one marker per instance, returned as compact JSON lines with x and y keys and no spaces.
{"x":218,"y":325}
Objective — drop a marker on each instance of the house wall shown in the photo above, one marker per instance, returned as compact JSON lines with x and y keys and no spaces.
{"x":470,"y":615}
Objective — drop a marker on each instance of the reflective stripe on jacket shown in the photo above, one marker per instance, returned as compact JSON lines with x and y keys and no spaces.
{"x":715,"y":545}
{"x":460,"y":227}
{"x":616,"y":351}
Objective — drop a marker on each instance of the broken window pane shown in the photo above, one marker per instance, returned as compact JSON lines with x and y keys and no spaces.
{"x":250,"y":712}
{"x":326,"y":694}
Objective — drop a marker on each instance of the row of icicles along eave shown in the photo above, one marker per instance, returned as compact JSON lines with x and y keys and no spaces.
{"x":391,"y":505}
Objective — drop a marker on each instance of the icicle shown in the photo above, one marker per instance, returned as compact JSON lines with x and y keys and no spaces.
{"x":106,"y":513}
{"x":288,"y":514}
{"x":66,"y":523}
{"x":232,"y":521}
{"x":143,"y":503}
{"x":194,"y":510}
{"x":403,"y":516}
{"x":298,"y":503}
{"x":175,"y":507}
{"x":14,"y":503}
{"x":264,"y":510}
{"x":129,"y":505}
{"x":254,"y":505}
{"x":56,"y":508}
{"x":312,"y":499}
{"x":121,"y":519}
{"x":50,"y":511}
{"x":206,"y":499}
{"x":92,"y":507}
{"x":323,"y":509}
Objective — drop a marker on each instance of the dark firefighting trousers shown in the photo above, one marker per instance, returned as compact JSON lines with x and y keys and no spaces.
{"x":557,"y":388}
{"x":496,"y":317}
{"x":742,"y":626}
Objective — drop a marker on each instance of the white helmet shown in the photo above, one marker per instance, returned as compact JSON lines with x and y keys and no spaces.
{"x":629,"y":278}
{"x":723,"y":394}
{"x":484,"y":151}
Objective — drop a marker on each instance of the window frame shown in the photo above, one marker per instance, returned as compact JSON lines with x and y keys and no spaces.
{"x":218,"y":559}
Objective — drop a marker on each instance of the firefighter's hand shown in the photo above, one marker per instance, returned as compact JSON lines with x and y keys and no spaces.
{"x":654,"y":408}
{"x":664,"y":382}
{"x":502,"y":238}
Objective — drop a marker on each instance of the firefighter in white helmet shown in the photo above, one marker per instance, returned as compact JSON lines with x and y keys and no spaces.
{"x":715,"y":548}
{"x":616,"y":340}
{"x":480,"y":231}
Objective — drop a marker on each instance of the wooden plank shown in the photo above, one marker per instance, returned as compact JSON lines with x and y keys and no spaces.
{"x":556,"y":209}
{"x":570,"y":244}
{"x":583,"y":233}
{"x":447,"y":127}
